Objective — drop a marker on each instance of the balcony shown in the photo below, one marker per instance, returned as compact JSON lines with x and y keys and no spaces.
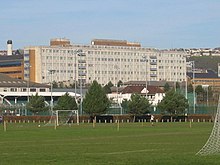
{"x":153,"y":62}
{"x":153,"y":75}
{"x":153,"y":69}
{"x":82,"y":67}
{"x":81,"y":61}
{"x":153,"y":57}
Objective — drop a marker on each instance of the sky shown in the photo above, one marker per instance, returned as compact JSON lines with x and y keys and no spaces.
{"x":161,"y":24}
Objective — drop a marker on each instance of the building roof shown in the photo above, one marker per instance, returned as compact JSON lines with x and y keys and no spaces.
{"x":11,"y":58}
{"x":6,"y":81}
{"x":108,"y":42}
{"x":207,"y":74}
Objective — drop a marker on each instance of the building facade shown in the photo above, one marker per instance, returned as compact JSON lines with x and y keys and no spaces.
{"x":12,"y":65}
{"x":104,"y":61}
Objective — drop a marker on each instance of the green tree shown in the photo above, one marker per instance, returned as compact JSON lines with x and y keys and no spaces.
{"x":107,"y":87}
{"x":66,"y":102}
{"x":120,"y":83}
{"x":200,"y":93}
{"x":173,"y":103}
{"x":190,"y":88}
{"x":138,"y":105}
{"x":61,"y":85}
{"x":177,"y":85}
{"x":37,"y":104}
{"x":166,"y":87}
{"x":55,"y":84}
{"x":95,"y":102}
{"x":124,"y":105}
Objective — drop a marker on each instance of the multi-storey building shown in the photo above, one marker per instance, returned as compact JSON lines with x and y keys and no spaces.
{"x":12,"y":66}
{"x":104,"y":61}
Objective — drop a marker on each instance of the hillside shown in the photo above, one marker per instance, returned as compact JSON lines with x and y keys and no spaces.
{"x":206,"y":62}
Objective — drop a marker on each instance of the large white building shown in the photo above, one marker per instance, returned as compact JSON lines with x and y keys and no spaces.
{"x":102,"y":60}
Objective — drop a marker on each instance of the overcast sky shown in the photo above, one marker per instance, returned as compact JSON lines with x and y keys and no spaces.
{"x":153,"y":23}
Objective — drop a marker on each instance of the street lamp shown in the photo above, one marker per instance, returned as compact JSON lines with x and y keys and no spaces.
{"x":51,"y":72}
{"x":28,"y":83}
{"x":194,"y":86}
{"x":145,"y":59}
{"x":118,"y":102}
{"x":79,"y":53}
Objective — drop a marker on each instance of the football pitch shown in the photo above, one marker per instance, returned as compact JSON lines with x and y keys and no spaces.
{"x":131,"y":144}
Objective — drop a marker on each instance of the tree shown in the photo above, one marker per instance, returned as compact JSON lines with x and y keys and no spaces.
{"x":37,"y":104}
{"x":120,"y":83}
{"x":190,"y":88}
{"x":66,"y":102}
{"x":177,"y":85}
{"x":61,"y":85}
{"x":200,"y":93}
{"x":55,"y":84}
{"x":166,"y":87}
{"x":124,"y":105}
{"x":138,"y":105}
{"x":95,"y":102}
{"x":199,"y":90}
{"x":173,"y":103}
{"x":107,"y":87}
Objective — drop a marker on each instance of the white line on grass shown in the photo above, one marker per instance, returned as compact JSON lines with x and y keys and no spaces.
{"x":123,"y":152}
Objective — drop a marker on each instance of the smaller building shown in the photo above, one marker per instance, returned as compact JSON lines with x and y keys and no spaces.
{"x":154,"y":93}
{"x":17,"y":92}
{"x":205,"y":77}
{"x":12,"y":66}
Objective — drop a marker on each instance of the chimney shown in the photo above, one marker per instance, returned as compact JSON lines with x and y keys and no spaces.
{"x":9,"y":47}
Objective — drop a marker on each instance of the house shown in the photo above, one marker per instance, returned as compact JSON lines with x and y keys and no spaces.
{"x":154,"y":93}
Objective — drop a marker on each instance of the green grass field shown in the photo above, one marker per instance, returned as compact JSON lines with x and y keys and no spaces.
{"x":133,"y":144}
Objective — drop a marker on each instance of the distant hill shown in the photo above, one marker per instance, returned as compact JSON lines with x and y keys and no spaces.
{"x":206,"y":62}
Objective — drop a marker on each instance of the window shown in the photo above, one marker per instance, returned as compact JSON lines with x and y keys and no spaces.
{"x":33,"y":90}
{"x":13,"y":89}
{"x":42,"y":90}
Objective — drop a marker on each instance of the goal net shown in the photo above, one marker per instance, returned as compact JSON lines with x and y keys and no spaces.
{"x":212,"y":145}
{"x":64,"y":117}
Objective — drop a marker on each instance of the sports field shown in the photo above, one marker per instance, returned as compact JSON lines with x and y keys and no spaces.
{"x":132,"y":144}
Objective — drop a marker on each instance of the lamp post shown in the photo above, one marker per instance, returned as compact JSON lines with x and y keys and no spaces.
{"x":118,"y":102}
{"x":194,"y":86}
{"x":28,"y":83}
{"x":80,"y":53}
{"x":145,"y":59}
{"x":51,"y":72}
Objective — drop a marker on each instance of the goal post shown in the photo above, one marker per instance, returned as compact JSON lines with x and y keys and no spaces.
{"x":212,"y":146}
{"x":65,"y":116}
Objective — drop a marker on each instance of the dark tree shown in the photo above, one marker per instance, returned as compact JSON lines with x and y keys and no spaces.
{"x":107,"y":87}
{"x":177,"y":85}
{"x":120,"y":83}
{"x":190,"y":88}
{"x":37,"y":104}
{"x":66,"y":102}
{"x":166,"y":87}
{"x":55,"y":84}
{"x":138,"y":105}
{"x":173,"y":103}
{"x":95,"y":102}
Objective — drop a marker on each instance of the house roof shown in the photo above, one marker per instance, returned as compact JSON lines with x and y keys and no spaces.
{"x":149,"y":83}
{"x":139,"y":89}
